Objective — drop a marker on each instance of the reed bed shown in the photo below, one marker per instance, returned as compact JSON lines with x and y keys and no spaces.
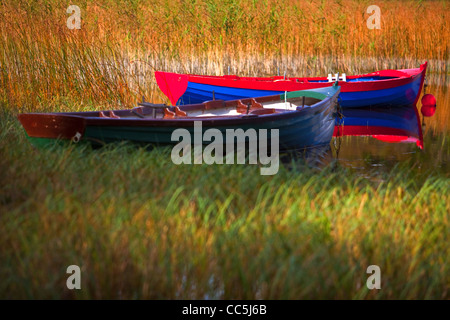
{"x":121,"y":214}
{"x":111,"y":59}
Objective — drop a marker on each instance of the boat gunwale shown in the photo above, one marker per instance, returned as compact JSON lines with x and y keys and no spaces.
{"x":405,"y":75}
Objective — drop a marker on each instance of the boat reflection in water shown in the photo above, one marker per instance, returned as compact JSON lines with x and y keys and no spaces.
{"x":365,"y":131}
{"x":388,"y":124}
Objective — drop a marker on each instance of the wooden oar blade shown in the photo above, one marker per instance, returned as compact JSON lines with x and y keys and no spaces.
{"x":173,"y":85}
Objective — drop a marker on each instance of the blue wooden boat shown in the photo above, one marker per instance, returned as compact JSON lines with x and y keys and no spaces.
{"x":303,"y":118}
{"x":380,"y":88}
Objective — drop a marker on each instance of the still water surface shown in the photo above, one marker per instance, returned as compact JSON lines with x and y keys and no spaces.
{"x":364,"y":153}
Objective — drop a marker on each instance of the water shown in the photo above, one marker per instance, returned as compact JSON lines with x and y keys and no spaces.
{"x":365,"y":153}
{"x":374,"y":140}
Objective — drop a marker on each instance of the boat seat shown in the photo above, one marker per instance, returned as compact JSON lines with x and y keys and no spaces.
{"x":169,"y":114}
{"x":179,"y":112}
{"x":256,"y":105}
{"x":111,"y":115}
{"x":241,"y":108}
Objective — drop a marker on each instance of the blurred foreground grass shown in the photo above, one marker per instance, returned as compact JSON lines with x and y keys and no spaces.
{"x":141,"y":227}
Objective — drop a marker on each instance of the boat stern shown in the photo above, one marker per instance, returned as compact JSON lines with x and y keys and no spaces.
{"x":41,"y":128}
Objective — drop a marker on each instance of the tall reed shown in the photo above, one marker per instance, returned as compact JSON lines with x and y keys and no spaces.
{"x":111,"y":59}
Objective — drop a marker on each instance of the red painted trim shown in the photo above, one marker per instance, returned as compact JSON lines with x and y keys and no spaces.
{"x":380,"y":133}
{"x":371,"y":130}
{"x":390,"y":139}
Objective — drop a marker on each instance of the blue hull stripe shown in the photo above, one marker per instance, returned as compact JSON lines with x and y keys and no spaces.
{"x":402,"y":95}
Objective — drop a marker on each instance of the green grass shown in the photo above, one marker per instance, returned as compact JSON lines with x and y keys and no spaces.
{"x":142,"y":227}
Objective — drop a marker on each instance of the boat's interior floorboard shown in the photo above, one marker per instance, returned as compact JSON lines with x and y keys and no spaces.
{"x":212,"y":113}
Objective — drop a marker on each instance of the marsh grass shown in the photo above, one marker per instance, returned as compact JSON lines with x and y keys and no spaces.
{"x":122,"y":215}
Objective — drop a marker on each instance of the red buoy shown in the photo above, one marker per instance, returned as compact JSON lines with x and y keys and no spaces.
{"x":428,"y":105}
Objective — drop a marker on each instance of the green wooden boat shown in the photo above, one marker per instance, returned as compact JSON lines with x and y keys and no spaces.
{"x":303,"y":118}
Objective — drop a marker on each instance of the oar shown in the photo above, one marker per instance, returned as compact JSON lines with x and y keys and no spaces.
{"x":173,"y":85}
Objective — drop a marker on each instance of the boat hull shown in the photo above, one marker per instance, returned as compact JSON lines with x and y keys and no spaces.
{"x":302,"y":130}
